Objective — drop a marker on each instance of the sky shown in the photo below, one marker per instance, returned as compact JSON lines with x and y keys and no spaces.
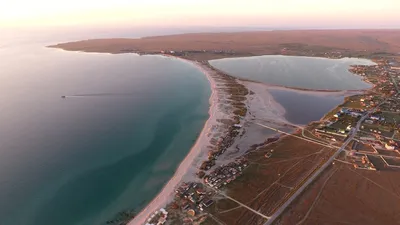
{"x":272,"y":13}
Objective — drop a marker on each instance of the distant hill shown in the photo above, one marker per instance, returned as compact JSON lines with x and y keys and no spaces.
{"x":250,"y":43}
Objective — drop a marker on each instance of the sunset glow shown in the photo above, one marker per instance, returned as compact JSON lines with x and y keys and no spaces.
{"x":207,"y":12}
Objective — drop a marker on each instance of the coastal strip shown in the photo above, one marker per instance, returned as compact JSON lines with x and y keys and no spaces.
{"x":166,"y":193}
{"x":277,"y":168}
{"x":226,"y":135}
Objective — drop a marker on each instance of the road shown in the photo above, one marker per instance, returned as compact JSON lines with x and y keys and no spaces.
{"x":316,"y":198}
{"x":302,"y":138}
{"x":315,"y":141}
{"x":351,"y":135}
{"x":243,"y":205}
{"x":318,"y":172}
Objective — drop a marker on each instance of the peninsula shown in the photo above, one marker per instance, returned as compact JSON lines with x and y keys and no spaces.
{"x":336,"y":170}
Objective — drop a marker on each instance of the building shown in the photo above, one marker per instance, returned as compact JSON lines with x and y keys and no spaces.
{"x":191,"y":212}
{"x":389,"y":147}
{"x":208,"y":203}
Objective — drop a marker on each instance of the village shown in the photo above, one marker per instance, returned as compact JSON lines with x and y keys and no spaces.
{"x":376,"y":146}
{"x":192,"y":199}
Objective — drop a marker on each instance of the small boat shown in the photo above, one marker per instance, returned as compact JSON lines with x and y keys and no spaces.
{"x":63,"y":96}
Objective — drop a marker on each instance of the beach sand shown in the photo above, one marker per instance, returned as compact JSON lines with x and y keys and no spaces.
{"x":260,"y":104}
{"x":186,"y":165}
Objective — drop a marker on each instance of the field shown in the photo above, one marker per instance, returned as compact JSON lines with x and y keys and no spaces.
{"x":344,"y":195}
{"x":397,"y":135}
{"x":378,"y":162}
{"x":388,"y":153}
{"x":268,"y":182}
{"x":359,"y":42}
{"x":359,"y":146}
{"x":392,"y":161}
{"x":376,"y":129}
{"x":395,"y":117}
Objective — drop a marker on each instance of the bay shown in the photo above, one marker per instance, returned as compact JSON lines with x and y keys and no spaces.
{"x":125,"y":125}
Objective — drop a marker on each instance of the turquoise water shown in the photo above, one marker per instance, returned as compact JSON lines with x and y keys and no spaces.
{"x":111,"y":145}
{"x":296,"y":71}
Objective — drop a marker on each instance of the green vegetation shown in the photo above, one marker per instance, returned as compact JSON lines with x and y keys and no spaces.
{"x":392,"y":117}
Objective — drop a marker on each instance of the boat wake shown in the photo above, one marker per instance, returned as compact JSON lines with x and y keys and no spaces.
{"x":100,"y":95}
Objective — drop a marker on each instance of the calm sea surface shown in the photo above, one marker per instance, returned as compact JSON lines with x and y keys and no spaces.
{"x":110,"y":145}
{"x":296,"y":71}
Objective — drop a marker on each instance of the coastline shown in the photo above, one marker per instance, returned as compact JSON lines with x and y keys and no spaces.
{"x":164,"y":195}
{"x":270,"y":109}
{"x":261,"y":105}
{"x":253,"y":104}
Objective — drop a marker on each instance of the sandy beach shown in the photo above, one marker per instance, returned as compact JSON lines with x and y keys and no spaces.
{"x":184,"y":168}
{"x":260,"y":104}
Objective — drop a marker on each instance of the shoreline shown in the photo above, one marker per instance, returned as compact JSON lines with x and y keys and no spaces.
{"x":162,"y":198}
{"x":184,"y":168}
{"x":255,"y":102}
{"x":277,"y":86}
{"x":263,"y":103}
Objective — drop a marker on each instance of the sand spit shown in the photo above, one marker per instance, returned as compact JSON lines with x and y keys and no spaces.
{"x":166,"y":193}
{"x":260,"y":104}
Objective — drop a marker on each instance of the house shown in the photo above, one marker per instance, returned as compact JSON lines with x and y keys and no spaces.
{"x":191,"y":212}
{"x":237,"y":125}
{"x":389,"y":147}
{"x":208,"y":203}
{"x":344,"y":110}
{"x":377,"y":118}
{"x":356,"y":114}
{"x":201,"y":191}
{"x":185,"y":207}
{"x":369,"y":121}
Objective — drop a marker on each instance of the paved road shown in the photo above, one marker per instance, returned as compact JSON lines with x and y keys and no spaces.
{"x":318,"y":172}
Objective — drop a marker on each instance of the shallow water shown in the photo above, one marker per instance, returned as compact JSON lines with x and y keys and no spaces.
{"x":303,"y":107}
{"x":110,"y":145}
{"x":296,"y":71}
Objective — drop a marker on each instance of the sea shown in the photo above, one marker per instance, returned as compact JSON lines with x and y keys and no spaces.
{"x":320,"y":81}
{"x":85,"y":136}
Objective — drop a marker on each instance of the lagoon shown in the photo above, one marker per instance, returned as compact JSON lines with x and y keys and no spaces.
{"x":303,"y":107}
{"x":296,"y":71}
